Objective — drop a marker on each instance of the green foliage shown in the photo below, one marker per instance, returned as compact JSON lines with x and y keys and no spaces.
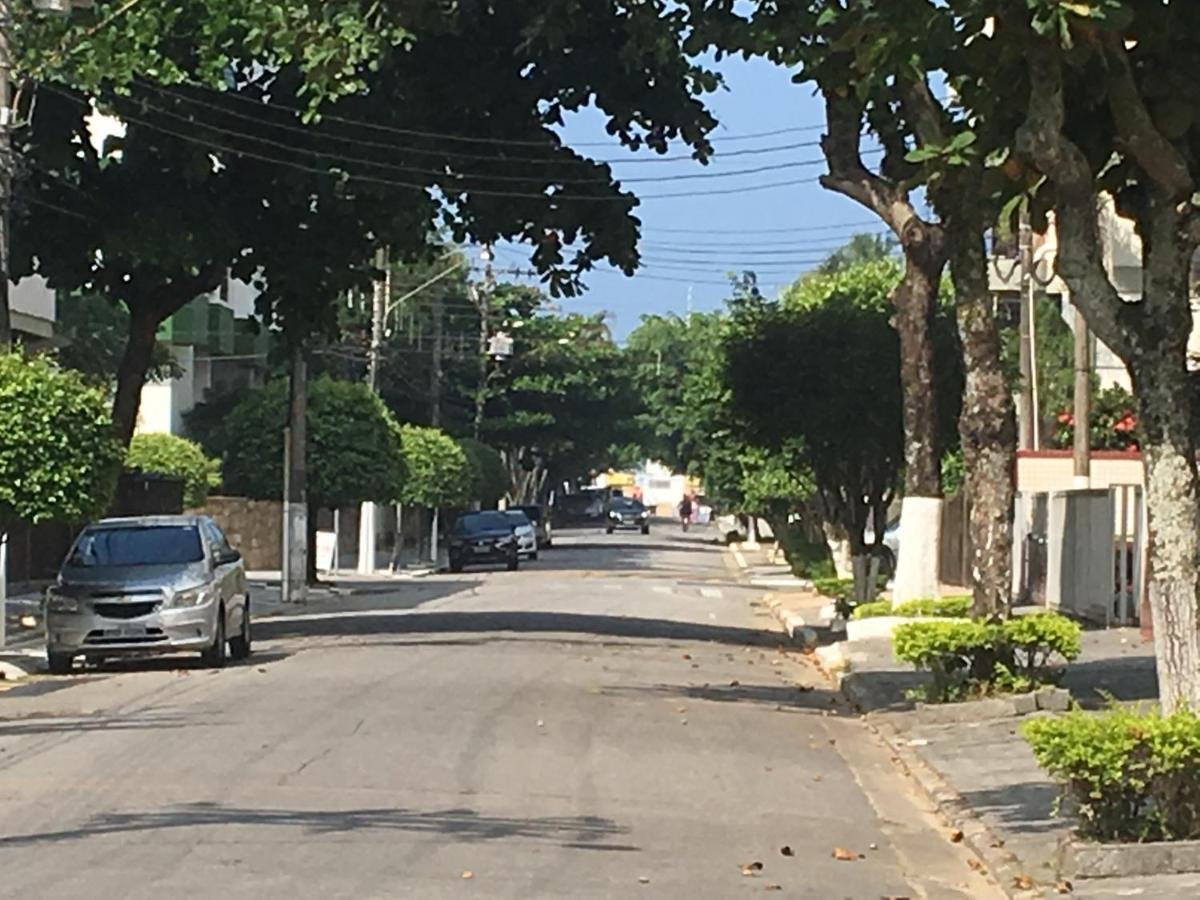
{"x":953,"y":472}
{"x":1129,"y":775}
{"x":94,"y":330}
{"x":168,"y":454}
{"x":861,"y":248}
{"x":58,"y":457}
{"x":968,"y":657}
{"x":352,"y":452}
{"x":808,"y":559}
{"x":1113,"y":426}
{"x":841,"y":592}
{"x":487,"y":475}
{"x":437,"y":473}
{"x":942,"y":607}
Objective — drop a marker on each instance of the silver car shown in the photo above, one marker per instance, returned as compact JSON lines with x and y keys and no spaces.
{"x":524,"y":531}
{"x":152,"y":584}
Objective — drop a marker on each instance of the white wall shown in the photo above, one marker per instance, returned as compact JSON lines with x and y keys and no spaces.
{"x":33,"y":306}
{"x":165,"y":403}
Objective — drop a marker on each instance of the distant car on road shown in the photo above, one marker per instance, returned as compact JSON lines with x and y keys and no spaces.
{"x":524,"y":531}
{"x":626,"y":513}
{"x":482,"y":538}
{"x":152,"y":584}
{"x":540,"y":517}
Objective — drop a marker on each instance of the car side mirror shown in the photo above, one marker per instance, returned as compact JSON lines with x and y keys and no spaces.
{"x":231,"y":557}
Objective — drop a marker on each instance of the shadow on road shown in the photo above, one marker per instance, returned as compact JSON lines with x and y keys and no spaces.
{"x":584,"y":832}
{"x":148,"y":721}
{"x":378,"y":622}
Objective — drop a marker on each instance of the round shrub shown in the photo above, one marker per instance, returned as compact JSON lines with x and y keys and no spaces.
{"x":169,"y":454}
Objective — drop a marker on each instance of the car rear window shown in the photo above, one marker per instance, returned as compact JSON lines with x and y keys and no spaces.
{"x":139,"y":545}
{"x":534,"y":513}
{"x":485,"y":521}
{"x":517,"y":517}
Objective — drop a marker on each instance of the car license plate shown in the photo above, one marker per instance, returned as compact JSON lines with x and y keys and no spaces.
{"x":482,"y":548}
{"x":128,"y":631}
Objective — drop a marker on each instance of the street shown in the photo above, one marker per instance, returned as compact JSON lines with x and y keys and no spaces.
{"x":617,"y":719}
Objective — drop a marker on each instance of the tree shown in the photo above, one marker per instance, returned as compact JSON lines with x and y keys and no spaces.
{"x":353,"y":454}
{"x":823,"y":373}
{"x":58,"y":459}
{"x":168,"y":454}
{"x":279,"y":195}
{"x":93,"y":330}
{"x":562,"y":406}
{"x":486,"y":474}
{"x":859,"y":249}
{"x":1125,"y":70}
{"x":437,"y":473}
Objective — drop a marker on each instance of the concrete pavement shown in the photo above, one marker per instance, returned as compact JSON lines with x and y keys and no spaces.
{"x":614,"y":720}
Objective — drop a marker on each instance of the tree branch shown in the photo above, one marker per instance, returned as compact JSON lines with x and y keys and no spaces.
{"x":1137,"y":133}
{"x":1081,"y":254}
{"x":842,"y":147}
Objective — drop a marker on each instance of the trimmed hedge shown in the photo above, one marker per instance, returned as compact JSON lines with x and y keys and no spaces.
{"x":969,"y":658}
{"x":169,"y":454}
{"x":1130,"y":775}
{"x":944,"y":607}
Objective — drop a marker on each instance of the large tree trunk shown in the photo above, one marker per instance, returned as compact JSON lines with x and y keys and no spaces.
{"x":131,"y":373}
{"x":915,"y":299}
{"x":987,"y":426}
{"x":1165,"y":418}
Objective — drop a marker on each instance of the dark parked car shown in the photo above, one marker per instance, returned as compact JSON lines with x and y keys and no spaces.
{"x":482,"y":538}
{"x":626,"y":513}
{"x":540,"y":517}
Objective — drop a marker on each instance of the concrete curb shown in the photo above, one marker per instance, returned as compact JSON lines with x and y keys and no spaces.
{"x":793,"y":623}
{"x":1083,"y":860}
{"x":1002,"y":865}
{"x":15,"y":669}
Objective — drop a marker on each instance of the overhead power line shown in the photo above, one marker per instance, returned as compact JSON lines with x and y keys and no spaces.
{"x":393,"y":147}
{"x":555,"y":143}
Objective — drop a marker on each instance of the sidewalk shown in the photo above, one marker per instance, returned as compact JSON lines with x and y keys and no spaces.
{"x":980,"y":773}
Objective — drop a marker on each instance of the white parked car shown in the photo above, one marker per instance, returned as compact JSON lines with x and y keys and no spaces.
{"x":525,"y":533}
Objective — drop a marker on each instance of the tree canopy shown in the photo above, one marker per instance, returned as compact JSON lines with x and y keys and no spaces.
{"x":437,"y":471}
{"x":58,"y":458}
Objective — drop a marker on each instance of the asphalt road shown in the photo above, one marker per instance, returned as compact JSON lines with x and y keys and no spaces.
{"x":616,"y":720}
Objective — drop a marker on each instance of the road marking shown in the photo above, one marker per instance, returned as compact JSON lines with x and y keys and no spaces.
{"x":736,"y":549}
{"x":711,"y":593}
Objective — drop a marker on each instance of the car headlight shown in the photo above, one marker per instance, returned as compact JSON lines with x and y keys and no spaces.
{"x":505,"y":542}
{"x":185,"y":599}
{"x":60,"y":603}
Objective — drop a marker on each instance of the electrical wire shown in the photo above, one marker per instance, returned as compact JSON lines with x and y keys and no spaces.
{"x":459,"y":190}
{"x":482,"y":157}
{"x":473,"y":139}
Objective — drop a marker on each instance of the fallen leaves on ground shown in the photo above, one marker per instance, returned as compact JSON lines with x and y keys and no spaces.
{"x":773,"y":887}
{"x":785,"y":850}
{"x":805,"y":688}
{"x":1023,"y":882}
{"x":976,"y":865}
{"x":816,"y":778}
{"x":735,"y":684}
{"x":687,"y":656}
{"x":751,"y":869}
{"x":642,"y":879}
{"x":467,"y":873}
{"x":1063,"y":887}
{"x":844,"y":855}
{"x":956,"y":836}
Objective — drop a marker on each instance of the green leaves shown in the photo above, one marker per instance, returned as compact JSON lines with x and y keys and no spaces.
{"x":971,"y":657}
{"x":957,"y":152}
{"x":168,"y":454}
{"x":58,"y":457}
{"x":437,"y":473}
{"x":1130,"y":775}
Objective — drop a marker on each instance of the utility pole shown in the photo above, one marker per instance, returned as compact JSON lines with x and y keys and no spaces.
{"x":436,"y":374}
{"x":1083,"y":402}
{"x":483,"y":299}
{"x":6,"y":171}
{"x":296,"y":489}
{"x":367,"y":519}
{"x":1026,"y":413}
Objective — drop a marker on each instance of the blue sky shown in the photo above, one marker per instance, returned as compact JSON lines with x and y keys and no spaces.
{"x":806,"y":221}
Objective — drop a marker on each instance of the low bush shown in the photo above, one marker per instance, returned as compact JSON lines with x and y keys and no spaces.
{"x":168,"y":454}
{"x":807,"y":559}
{"x":968,"y":658}
{"x":1129,"y":775}
{"x":944,"y":608}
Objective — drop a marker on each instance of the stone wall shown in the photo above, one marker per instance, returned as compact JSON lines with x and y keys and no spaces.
{"x":253,"y":527}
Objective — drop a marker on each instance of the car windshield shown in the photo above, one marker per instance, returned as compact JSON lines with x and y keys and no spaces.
{"x":477,"y":523}
{"x":533,"y":513}
{"x":137,"y":545}
{"x":517,"y":517}
{"x":624,"y":504}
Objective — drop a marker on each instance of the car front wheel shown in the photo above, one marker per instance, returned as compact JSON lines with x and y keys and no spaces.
{"x":214,"y":656}
{"x":240,"y":646}
{"x":514,"y":563}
